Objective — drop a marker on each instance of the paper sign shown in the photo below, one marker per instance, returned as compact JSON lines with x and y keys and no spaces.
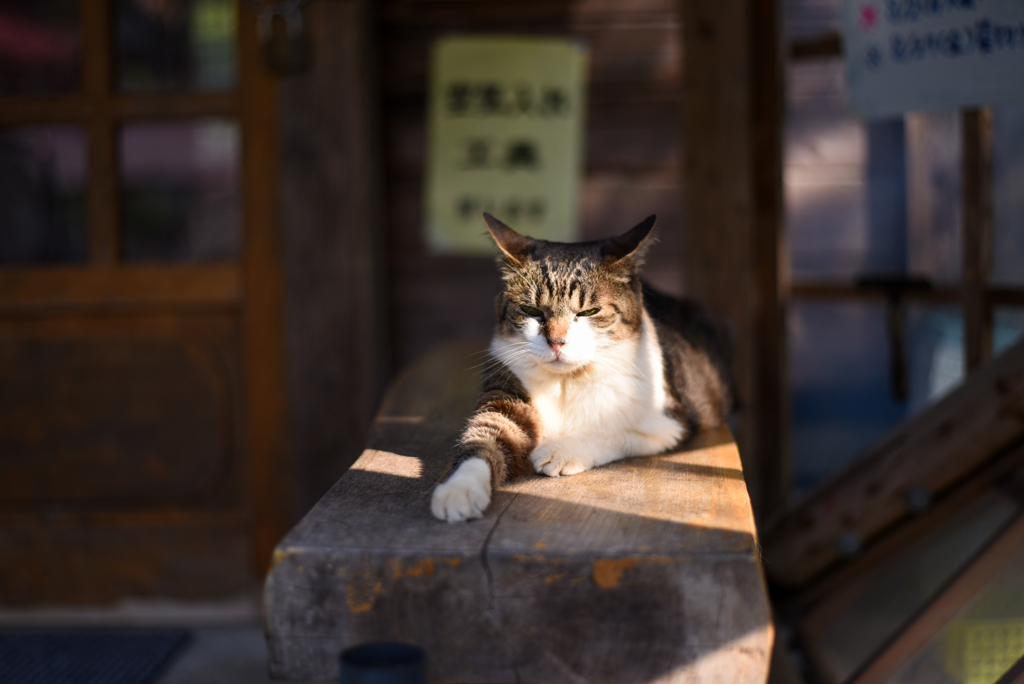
{"x":903,"y":55}
{"x":505,"y":137}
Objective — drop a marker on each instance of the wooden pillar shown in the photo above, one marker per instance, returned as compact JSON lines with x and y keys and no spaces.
{"x":732,"y":197}
{"x":976,"y":127}
{"x":262,"y":313}
{"x":332,"y":231}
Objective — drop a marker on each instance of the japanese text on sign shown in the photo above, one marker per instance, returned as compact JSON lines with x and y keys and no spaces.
{"x":923,"y":54}
{"x":506,"y":123}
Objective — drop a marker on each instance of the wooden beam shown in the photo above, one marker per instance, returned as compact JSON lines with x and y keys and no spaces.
{"x":827,"y":45}
{"x":831,"y":593}
{"x":929,"y":452}
{"x":732,"y":207}
{"x":821,"y":606}
{"x":990,"y":296}
{"x":73,"y":108}
{"x":1004,"y":295}
{"x":116,"y":288}
{"x":848,"y":291}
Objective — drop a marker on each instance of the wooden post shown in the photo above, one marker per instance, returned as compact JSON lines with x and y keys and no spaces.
{"x":262,"y":315}
{"x":977,"y":198}
{"x":337,"y":309}
{"x":733,"y":207}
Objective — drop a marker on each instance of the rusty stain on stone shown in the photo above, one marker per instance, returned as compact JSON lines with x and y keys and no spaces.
{"x":425,"y":566}
{"x":523,"y":558}
{"x":362,"y":604}
{"x":548,"y":579}
{"x":279,"y":555}
{"x":607,"y":571}
{"x":540,"y":545}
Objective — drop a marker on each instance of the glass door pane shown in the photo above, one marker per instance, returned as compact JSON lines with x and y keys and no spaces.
{"x":1007,"y":327}
{"x":180,"y":198}
{"x":176,"y":45}
{"x":43,"y":214}
{"x":40,"y":47}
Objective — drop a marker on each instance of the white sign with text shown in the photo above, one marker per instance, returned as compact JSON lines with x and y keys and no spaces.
{"x":904,"y":55}
{"x":506,"y":117}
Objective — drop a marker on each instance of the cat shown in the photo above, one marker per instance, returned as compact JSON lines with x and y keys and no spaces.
{"x":587,"y":366}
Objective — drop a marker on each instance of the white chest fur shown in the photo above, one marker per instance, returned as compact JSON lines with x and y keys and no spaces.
{"x":616,"y":405}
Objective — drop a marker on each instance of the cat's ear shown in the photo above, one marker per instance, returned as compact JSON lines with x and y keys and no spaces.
{"x":513,"y":245}
{"x":632,"y":244}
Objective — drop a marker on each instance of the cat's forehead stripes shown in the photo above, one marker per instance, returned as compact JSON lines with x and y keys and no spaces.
{"x":562,"y":282}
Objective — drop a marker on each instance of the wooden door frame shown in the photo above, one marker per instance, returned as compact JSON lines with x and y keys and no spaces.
{"x":249,"y":288}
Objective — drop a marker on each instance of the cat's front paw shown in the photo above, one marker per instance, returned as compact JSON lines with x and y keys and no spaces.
{"x":466,"y":494}
{"x":561,"y":457}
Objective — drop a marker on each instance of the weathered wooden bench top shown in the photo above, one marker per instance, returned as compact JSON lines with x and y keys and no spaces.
{"x":645,"y":570}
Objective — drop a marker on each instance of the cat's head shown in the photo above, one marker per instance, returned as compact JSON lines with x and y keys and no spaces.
{"x":562,"y":305}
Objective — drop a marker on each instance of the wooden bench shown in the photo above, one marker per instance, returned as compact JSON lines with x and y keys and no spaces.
{"x":645,"y":570}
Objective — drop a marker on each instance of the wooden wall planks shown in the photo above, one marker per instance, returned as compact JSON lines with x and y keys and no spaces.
{"x":632,"y":146}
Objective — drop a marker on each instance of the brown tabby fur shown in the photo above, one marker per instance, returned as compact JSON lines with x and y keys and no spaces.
{"x":563,"y":279}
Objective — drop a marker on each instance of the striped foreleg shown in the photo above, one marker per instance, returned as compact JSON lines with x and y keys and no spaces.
{"x":494,"y":448}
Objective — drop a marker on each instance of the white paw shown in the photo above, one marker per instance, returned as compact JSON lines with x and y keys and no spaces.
{"x":466,"y":494}
{"x":556,"y":457}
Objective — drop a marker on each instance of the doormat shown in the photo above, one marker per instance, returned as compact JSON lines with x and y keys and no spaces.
{"x":87,"y":656}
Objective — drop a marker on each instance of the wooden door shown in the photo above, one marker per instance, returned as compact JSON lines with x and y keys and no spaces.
{"x":141,"y":407}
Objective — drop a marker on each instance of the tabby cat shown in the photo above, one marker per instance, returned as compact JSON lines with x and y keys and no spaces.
{"x":586,"y":366}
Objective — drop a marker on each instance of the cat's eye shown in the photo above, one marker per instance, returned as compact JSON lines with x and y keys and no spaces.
{"x":530,"y":311}
{"x":588,"y":312}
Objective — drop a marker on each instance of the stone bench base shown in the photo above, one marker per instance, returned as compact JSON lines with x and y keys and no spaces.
{"x":645,"y":570}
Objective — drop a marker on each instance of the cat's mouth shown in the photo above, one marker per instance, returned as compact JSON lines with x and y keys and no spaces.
{"x":560,"y":364}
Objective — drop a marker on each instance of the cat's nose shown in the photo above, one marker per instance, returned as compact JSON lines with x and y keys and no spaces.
{"x":556,"y":346}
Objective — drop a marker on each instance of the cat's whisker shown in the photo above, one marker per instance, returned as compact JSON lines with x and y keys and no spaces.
{"x":488,"y":363}
{"x":618,"y":354}
{"x":639,"y":382}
